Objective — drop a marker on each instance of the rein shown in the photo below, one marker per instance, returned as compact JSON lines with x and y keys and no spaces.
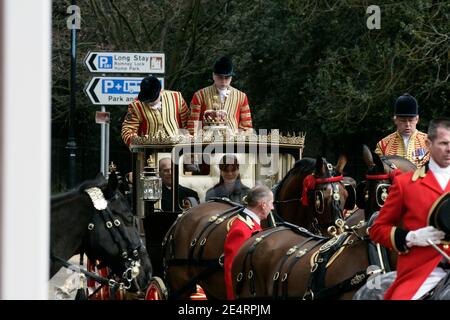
{"x":102,"y":280}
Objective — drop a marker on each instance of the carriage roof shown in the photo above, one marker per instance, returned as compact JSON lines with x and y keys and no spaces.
{"x":163,"y":141}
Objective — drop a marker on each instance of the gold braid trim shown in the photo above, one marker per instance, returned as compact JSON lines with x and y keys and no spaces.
{"x":230,"y":222}
{"x":419,"y":173}
{"x":248,"y":221}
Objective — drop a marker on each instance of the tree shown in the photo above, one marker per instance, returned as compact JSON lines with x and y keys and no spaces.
{"x":307,"y":65}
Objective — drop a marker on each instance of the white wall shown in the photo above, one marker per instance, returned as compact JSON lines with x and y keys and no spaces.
{"x":25,"y":107}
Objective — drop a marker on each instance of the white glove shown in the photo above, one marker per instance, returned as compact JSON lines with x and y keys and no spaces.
{"x":420,"y":236}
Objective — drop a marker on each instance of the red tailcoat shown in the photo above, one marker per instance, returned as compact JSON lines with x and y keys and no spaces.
{"x":241,"y":229}
{"x":406,"y":209}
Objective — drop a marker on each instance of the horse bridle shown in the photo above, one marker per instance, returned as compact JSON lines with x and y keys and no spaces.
{"x":132,"y":265}
{"x":319,"y":197}
{"x":130,"y":255}
{"x":382,"y":189}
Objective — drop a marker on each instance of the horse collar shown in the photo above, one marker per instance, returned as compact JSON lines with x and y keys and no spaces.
{"x":97,"y":197}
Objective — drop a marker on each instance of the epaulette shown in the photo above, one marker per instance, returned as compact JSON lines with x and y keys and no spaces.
{"x":419,"y":173}
{"x":230,"y":221}
{"x":247,"y":220}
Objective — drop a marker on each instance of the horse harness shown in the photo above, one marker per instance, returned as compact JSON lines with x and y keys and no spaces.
{"x":198,"y":243}
{"x":321,"y":259}
{"x":296,"y":253}
{"x":382,"y":189}
{"x":314,"y":189}
{"x":328,"y":253}
{"x":130,"y":255}
{"x":249,"y":257}
{"x":319,"y":201}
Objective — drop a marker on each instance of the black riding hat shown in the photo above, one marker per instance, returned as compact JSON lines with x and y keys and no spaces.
{"x":150,"y":89}
{"x":406,"y":106}
{"x":439,"y":215}
{"x":224,"y":67}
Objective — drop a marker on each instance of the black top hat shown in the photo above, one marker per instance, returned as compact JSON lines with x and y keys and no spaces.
{"x":150,"y":89}
{"x":406,"y":106}
{"x":224,"y":67}
{"x":439,"y":215}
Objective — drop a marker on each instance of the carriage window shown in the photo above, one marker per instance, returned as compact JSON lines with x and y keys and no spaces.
{"x":213,"y":181}
{"x":272,"y":169}
{"x":196,"y":165}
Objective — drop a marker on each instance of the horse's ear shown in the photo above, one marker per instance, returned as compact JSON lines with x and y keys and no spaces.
{"x":113,"y":182}
{"x":342,"y":161}
{"x":319,"y":170}
{"x":100,"y":178}
{"x":377,"y":161}
{"x":367,"y":156}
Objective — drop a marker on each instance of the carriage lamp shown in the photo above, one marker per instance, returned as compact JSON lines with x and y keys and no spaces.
{"x":151,"y":183}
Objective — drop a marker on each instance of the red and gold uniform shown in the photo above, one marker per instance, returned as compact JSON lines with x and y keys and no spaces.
{"x":415,"y":151}
{"x":241,"y":229}
{"x":236,"y":106}
{"x":143,"y":120}
{"x":406,"y":209}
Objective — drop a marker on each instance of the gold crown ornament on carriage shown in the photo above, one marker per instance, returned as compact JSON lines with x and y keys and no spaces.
{"x":215,"y":117}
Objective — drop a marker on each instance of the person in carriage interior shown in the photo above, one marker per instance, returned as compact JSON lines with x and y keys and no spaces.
{"x":154,"y":110}
{"x":230,"y":185}
{"x":165,"y":172}
{"x":244,"y":225}
{"x":223,"y":96}
{"x":406,"y":141}
{"x":409,"y":219}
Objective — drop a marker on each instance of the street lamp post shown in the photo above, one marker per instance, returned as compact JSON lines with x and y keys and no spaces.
{"x":71,"y":145}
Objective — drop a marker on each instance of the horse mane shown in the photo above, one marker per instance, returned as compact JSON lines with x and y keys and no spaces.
{"x":97,"y":182}
{"x":80,"y":190}
{"x":302,"y":166}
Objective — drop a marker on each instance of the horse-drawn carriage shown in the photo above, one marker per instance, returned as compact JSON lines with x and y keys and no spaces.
{"x":185,"y":240}
{"x":263,"y":159}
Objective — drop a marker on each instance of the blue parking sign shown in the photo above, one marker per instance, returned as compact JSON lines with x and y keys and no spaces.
{"x":105,"y":62}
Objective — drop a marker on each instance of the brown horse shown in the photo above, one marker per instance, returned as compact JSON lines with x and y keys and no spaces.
{"x":193,"y":249}
{"x":326,"y":196}
{"x":278,"y":263}
{"x":281,"y":263}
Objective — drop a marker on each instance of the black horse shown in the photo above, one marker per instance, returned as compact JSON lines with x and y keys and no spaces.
{"x":96,"y":220}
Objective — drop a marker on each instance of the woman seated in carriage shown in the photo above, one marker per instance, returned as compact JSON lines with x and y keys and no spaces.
{"x":230,"y":185}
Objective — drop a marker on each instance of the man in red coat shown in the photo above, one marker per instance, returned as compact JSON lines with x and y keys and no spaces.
{"x":402,"y":223}
{"x":259,"y":204}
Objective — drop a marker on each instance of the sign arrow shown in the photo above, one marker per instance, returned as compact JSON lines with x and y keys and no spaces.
{"x":91,"y":90}
{"x":91,"y":62}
